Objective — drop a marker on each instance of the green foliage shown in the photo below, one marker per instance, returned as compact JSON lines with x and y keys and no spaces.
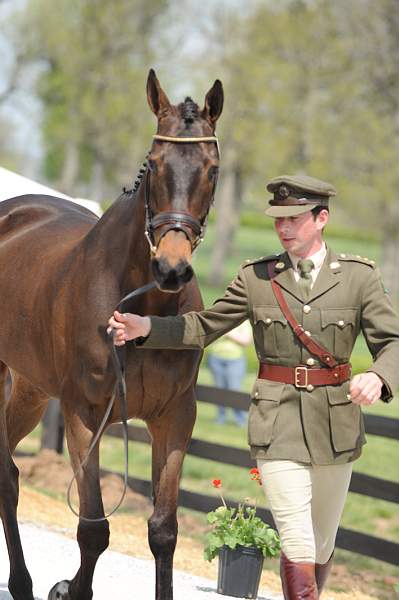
{"x":239,"y":527}
{"x":94,"y":58}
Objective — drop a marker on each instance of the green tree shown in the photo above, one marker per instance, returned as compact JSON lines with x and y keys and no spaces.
{"x":372,"y":115}
{"x":95,"y":56}
{"x":312,"y":86}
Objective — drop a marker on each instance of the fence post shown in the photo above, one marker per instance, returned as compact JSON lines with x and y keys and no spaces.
{"x":53,"y":427}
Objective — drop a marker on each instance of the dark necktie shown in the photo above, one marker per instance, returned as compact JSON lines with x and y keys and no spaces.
{"x":305,"y":267}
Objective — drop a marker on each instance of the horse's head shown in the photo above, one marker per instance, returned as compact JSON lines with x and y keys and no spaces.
{"x":180,"y":180}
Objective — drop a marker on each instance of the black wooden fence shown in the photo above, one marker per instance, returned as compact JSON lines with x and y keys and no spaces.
{"x":366,"y":485}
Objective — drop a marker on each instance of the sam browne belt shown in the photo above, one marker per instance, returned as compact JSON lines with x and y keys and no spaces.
{"x":301,"y":376}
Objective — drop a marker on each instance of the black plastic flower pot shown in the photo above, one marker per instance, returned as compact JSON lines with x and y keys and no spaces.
{"x":239,"y":571}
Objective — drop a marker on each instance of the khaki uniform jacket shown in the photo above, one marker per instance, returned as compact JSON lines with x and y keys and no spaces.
{"x":322,"y":426}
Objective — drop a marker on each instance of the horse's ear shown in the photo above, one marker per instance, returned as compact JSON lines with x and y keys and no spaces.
{"x":213,"y":103}
{"x":157,"y":99}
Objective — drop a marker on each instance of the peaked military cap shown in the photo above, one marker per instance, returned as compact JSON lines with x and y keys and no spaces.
{"x":297,"y":194}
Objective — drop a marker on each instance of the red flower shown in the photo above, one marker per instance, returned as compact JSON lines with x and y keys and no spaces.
{"x":217,"y":483}
{"x":256,"y":475}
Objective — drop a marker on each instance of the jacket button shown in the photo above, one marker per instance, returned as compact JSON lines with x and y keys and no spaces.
{"x":268,"y":320}
{"x":309,"y":388}
{"x":348,"y":396}
{"x":306,"y":309}
{"x":310,"y":362}
{"x":341,"y":323}
{"x":308,"y":333}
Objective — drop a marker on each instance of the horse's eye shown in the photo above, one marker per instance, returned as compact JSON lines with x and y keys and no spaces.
{"x":152,"y":165}
{"x":213,"y":172}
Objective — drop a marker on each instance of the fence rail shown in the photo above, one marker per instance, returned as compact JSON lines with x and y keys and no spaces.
{"x":366,"y":485}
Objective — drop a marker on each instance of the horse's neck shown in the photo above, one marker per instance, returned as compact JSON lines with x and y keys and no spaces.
{"x":117,"y":245}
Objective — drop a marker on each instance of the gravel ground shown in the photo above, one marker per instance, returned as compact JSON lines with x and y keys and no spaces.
{"x":52,"y":557}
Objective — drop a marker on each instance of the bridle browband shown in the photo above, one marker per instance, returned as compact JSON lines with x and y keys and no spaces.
{"x":194,"y":229}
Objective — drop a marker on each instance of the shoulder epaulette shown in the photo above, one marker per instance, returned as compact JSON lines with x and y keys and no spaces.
{"x":357,"y":258}
{"x":252,"y":261}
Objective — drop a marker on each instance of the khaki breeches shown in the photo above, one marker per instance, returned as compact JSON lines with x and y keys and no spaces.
{"x":307,"y":503}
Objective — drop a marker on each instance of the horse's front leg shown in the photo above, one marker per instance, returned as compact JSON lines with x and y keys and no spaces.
{"x":92,"y":536}
{"x":171,"y":434}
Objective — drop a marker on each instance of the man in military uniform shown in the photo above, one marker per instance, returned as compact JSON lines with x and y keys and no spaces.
{"x":307,"y":307}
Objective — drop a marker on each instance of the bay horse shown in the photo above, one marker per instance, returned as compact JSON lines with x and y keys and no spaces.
{"x":62,"y":272}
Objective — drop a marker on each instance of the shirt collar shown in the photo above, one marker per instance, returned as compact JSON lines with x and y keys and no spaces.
{"x":317,"y":258}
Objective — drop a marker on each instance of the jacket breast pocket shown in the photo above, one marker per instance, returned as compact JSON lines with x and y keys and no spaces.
{"x":339,"y":331}
{"x":265,"y":401}
{"x":346,"y":420}
{"x":271,"y":331}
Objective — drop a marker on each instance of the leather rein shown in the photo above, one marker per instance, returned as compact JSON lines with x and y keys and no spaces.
{"x":195,"y":232}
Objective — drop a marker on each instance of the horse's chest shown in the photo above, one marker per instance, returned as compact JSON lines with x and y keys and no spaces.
{"x":158,"y":378}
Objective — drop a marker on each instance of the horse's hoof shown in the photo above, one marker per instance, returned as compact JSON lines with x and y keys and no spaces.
{"x":60,"y":591}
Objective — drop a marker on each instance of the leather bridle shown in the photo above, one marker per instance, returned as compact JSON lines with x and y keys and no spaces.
{"x":194,"y":229}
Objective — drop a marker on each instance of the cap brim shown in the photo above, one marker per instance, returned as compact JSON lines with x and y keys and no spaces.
{"x":288,"y":211}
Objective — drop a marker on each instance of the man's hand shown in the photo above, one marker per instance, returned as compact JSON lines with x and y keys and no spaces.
{"x":128,"y":326}
{"x":365,"y":388}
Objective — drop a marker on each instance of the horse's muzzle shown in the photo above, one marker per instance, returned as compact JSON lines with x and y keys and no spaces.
{"x":171,"y":279}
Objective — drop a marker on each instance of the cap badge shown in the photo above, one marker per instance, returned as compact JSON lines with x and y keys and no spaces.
{"x":279,"y":266}
{"x":283,"y":191}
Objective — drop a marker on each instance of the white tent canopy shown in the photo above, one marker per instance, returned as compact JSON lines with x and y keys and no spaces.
{"x":12,"y":184}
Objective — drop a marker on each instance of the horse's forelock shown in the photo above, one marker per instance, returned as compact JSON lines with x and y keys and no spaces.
{"x":189,"y":110}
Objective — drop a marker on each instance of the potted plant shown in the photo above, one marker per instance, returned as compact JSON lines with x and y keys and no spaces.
{"x":242,"y":541}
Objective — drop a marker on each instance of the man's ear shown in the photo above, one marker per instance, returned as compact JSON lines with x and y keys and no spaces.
{"x":322,"y":218}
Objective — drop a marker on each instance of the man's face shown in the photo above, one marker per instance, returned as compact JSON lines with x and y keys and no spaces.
{"x":301,"y":235}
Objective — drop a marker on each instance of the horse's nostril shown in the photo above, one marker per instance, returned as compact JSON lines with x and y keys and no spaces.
{"x":171,"y":277}
{"x":187,"y":273}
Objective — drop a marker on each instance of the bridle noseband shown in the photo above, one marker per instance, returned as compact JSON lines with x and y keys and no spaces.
{"x":194,"y":229}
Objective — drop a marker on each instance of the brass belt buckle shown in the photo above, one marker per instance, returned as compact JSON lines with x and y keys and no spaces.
{"x":299,"y":372}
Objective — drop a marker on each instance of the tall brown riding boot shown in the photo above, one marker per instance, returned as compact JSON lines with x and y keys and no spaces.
{"x":298,"y":580}
{"x":322,"y":572}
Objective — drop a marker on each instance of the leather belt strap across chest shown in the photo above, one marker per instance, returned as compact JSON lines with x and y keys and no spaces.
{"x":303,"y":376}
{"x":304,"y":337}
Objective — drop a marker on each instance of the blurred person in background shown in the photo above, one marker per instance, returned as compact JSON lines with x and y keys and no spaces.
{"x":228,"y":365}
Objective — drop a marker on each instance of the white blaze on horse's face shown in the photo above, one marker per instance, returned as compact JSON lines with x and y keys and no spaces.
{"x":181,"y":180}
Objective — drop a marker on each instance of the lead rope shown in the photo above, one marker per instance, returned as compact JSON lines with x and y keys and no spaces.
{"x":121,"y":384}
{"x":120,"y":387}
